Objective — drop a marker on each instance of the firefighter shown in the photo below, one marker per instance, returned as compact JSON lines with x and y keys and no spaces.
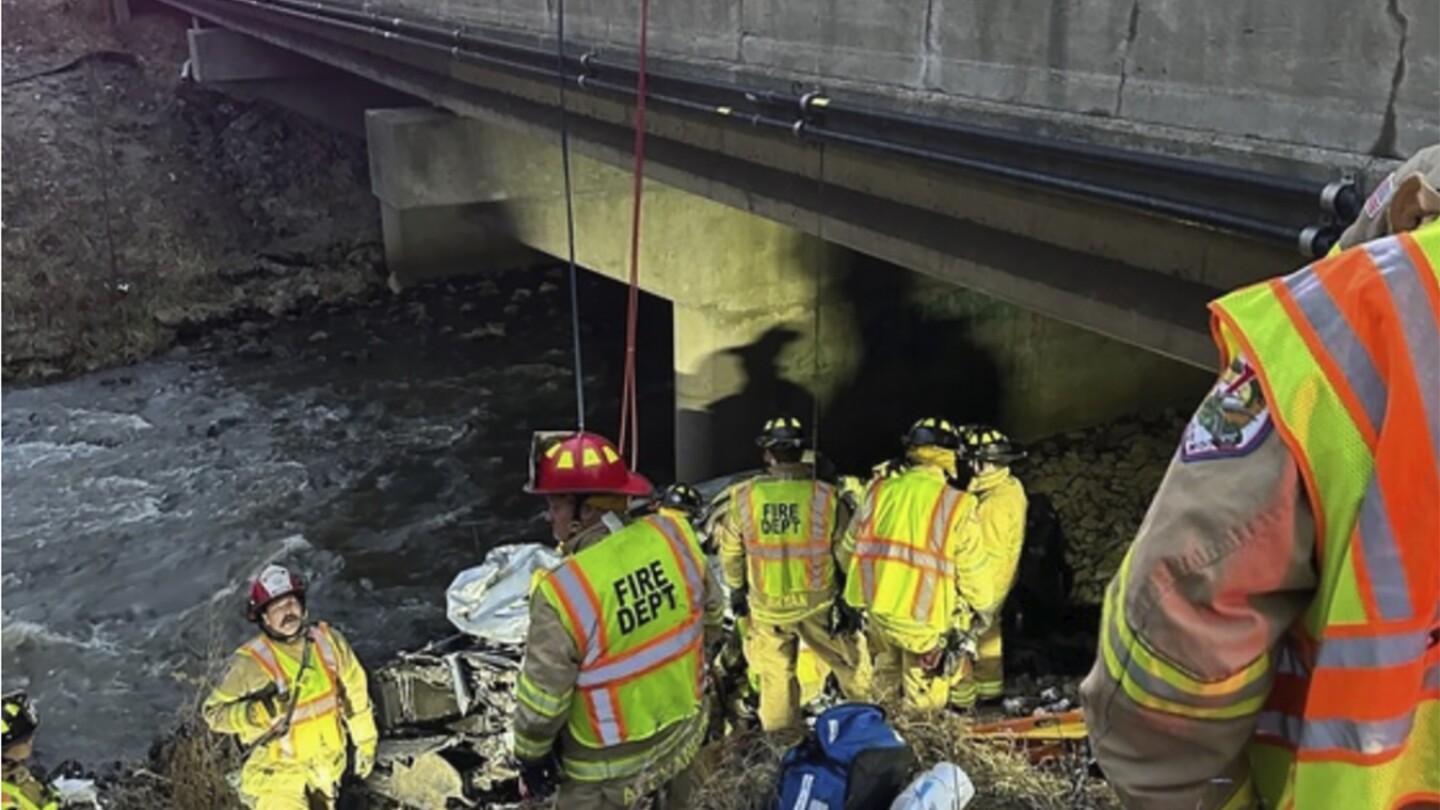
{"x":680,"y":501}
{"x":777,"y":545}
{"x":610,"y":701}
{"x":1270,"y":639}
{"x":1000,"y":514}
{"x":916,"y":565}
{"x":292,"y":695}
{"x":20,"y":789}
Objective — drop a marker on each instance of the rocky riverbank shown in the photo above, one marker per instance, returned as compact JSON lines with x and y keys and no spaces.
{"x":141,"y":209}
{"x":1100,"y":481}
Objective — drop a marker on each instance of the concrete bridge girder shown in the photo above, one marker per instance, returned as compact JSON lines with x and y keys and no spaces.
{"x":749,"y":292}
{"x":1158,"y":273}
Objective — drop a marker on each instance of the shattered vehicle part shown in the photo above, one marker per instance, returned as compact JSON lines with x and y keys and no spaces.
{"x":433,"y":752}
{"x":413,"y":773}
{"x":491,"y":600}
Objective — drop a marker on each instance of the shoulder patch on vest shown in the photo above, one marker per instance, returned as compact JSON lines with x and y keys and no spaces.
{"x":1233,"y":419}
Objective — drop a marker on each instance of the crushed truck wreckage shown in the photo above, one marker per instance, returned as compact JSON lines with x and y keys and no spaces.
{"x":445,"y":710}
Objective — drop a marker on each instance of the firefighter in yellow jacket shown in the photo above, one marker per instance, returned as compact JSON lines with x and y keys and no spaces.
{"x":916,"y":565}
{"x":292,"y":695}
{"x":20,"y":789}
{"x":1000,"y":514}
{"x":777,"y":546}
{"x":612,"y":687}
{"x":1272,"y":637}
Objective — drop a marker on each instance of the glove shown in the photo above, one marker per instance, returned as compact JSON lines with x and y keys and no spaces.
{"x":538,"y":778}
{"x":265,"y":708}
{"x":960,"y":650}
{"x":740,"y":602}
{"x":364,"y":761}
{"x":845,"y":618}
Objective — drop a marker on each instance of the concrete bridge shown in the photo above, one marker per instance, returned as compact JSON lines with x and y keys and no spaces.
{"x":888,"y":206}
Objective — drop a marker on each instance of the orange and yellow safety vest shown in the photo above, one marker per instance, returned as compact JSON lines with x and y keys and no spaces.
{"x":316,"y":723}
{"x":903,"y":570}
{"x":788,"y":527}
{"x":634,"y":606}
{"x":1348,"y":353}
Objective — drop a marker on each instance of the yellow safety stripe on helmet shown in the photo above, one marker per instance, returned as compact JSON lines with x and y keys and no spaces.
{"x":936,"y":423}
{"x":782,"y":422}
{"x":541,"y":701}
{"x":527,"y":747}
{"x":1157,"y":684}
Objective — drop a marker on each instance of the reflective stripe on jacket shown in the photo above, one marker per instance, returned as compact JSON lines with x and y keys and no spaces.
{"x":906,"y":554}
{"x":20,"y":790}
{"x":787,"y":528}
{"x":331,"y":700}
{"x":315,"y":722}
{"x":1348,"y":353}
{"x":634,"y":606}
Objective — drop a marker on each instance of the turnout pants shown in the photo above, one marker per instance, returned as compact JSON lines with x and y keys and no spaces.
{"x":772,"y":651}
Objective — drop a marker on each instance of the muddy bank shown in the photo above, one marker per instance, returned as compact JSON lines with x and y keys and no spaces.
{"x":140,"y":208}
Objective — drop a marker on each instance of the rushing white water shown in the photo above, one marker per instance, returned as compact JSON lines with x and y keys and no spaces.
{"x":381,"y":460}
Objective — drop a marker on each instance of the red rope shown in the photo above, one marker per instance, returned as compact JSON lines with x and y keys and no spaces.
{"x":629,"y":401}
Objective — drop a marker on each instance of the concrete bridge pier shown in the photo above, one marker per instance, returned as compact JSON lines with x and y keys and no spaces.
{"x":434,"y":178}
{"x":458,"y":192}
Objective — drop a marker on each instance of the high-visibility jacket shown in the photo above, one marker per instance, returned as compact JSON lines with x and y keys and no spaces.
{"x":20,"y":790}
{"x":1347,"y":707}
{"x":1000,"y":515}
{"x":780,"y":543}
{"x":633,"y":604}
{"x":915,"y":561}
{"x":330,"y":698}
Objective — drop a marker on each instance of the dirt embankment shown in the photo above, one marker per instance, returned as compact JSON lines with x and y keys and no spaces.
{"x":139,"y":207}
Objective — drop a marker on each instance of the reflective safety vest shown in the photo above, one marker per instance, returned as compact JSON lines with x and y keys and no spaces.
{"x":1348,"y":353}
{"x":315,"y":725}
{"x":788,"y":526}
{"x":18,"y":787}
{"x":634,"y":605}
{"x":903,"y":568}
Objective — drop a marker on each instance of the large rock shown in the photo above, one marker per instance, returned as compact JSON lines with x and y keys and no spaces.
{"x":1101,"y":481}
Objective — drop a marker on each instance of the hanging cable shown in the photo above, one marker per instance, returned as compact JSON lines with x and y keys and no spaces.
{"x":629,"y":402}
{"x":819,"y":281}
{"x":569,"y":215}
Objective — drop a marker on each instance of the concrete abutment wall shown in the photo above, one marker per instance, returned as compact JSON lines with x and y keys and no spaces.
{"x":748,"y":296}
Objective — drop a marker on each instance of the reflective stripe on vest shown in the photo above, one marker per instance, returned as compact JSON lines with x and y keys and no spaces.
{"x":611,"y":662}
{"x":903,"y":563}
{"x":15,"y":797}
{"x":774,"y":557}
{"x":324,"y":704}
{"x":1348,"y":353}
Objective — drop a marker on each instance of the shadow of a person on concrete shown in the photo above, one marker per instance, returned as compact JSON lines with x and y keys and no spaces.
{"x":725,"y":428}
{"x":912,"y":364}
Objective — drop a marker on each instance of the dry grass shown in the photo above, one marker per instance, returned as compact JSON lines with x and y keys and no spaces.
{"x":188,"y":768}
{"x":135,"y":206}
{"x":744,"y":773}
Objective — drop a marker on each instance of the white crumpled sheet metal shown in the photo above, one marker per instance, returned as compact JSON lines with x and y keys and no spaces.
{"x":491,"y":601}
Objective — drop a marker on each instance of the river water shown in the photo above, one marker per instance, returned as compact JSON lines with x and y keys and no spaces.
{"x":381,"y":448}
